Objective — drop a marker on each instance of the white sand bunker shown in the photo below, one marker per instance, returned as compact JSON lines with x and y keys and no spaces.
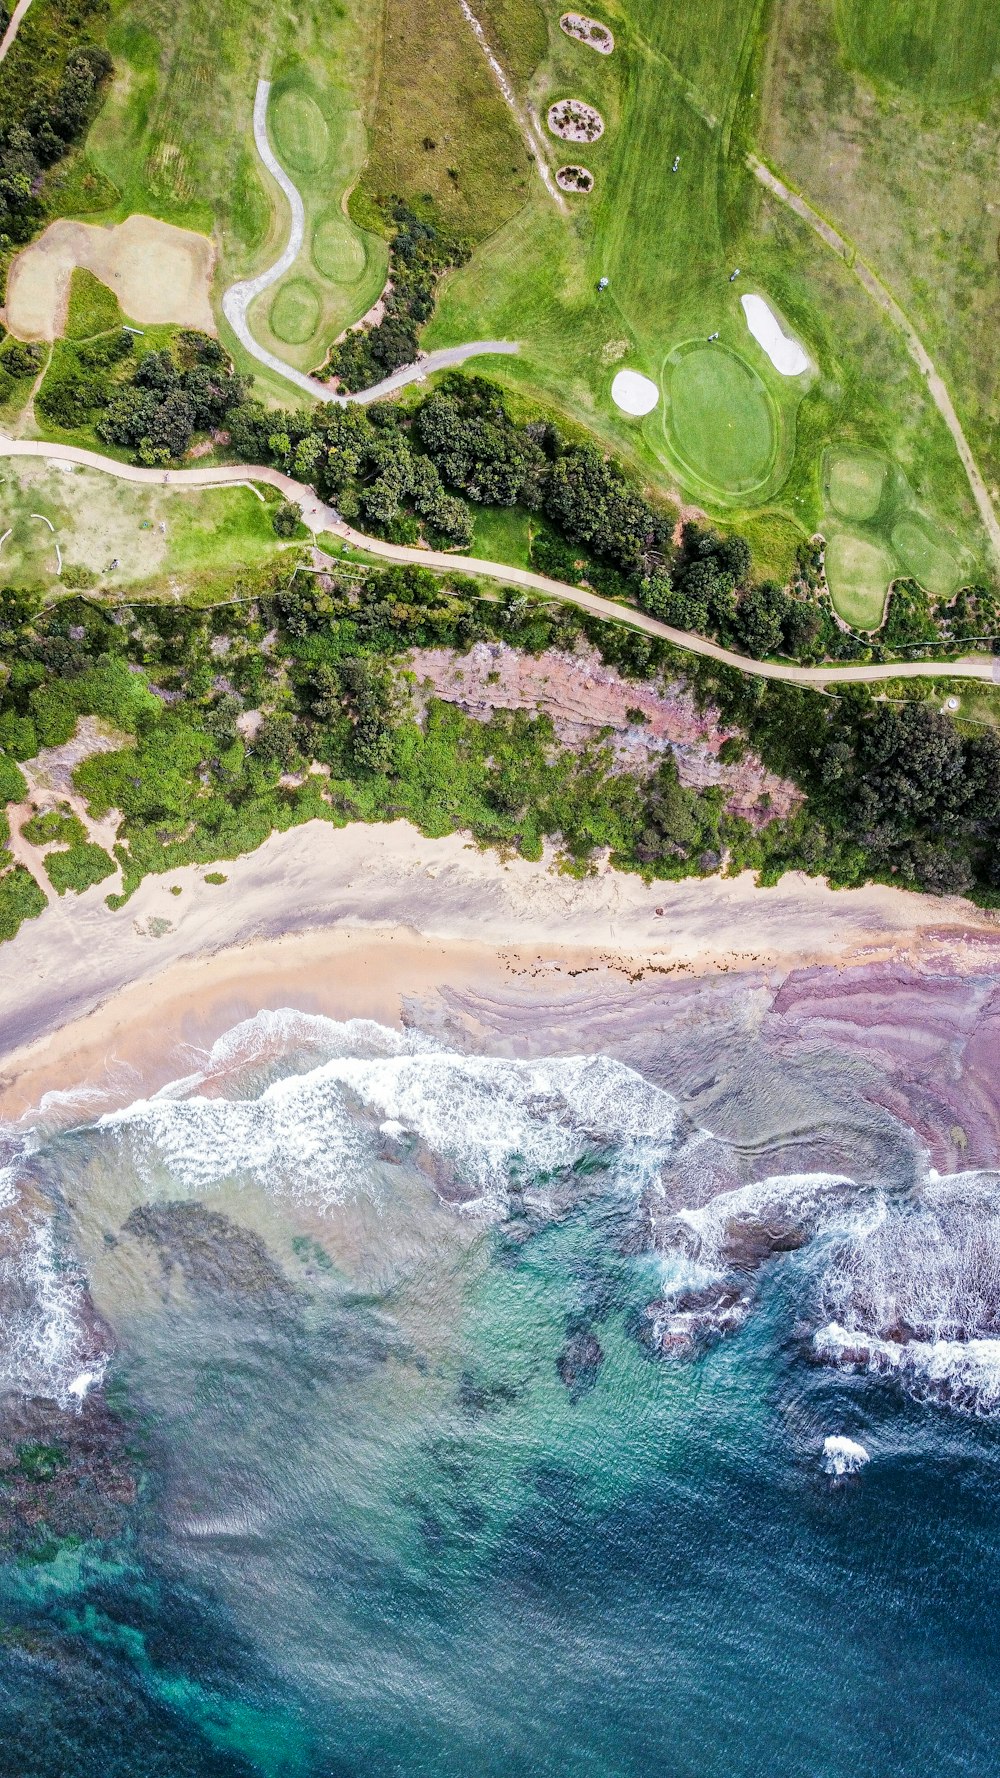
{"x":588,"y":31}
{"x":159,"y":274}
{"x":575,"y":179}
{"x":785,"y":354}
{"x":633,"y":393}
{"x":575,"y":121}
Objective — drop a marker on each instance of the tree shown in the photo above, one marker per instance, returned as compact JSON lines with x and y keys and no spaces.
{"x":285,"y":518}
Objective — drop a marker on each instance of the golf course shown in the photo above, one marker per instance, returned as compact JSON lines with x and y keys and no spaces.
{"x":797,"y":386}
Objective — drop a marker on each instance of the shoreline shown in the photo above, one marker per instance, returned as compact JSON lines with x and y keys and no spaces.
{"x":354,"y":921}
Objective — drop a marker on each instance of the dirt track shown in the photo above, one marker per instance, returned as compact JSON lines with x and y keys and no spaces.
{"x":322,"y":518}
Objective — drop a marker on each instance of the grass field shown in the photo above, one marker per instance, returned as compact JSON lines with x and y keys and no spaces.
{"x":154,"y":534}
{"x":718,"y":418}
{"x":858,"y":572}
{"x":876,"y":530}
{"x":317,"y":135}
{"x":940,"y":50}
{"x":888,"y":119}
{"x":854,"y":483}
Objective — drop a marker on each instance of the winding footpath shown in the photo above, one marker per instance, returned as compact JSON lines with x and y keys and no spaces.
{"x":882,"y":295}
{"x":321,"y":518}
{"x":238,"y":298}
{"x":14,"y":26}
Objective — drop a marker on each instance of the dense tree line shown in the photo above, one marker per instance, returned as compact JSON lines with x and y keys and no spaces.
{"x":418,"y":254}
{"x":50,"y":89}
{"x":152,"y":405}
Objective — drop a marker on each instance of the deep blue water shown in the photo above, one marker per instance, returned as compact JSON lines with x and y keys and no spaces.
{"x":381,"y":1526}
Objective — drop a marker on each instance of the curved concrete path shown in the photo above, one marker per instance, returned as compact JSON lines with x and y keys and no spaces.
{"x":238,"y":298}
{"x":320,"y":517}
{"x":14,"y":26}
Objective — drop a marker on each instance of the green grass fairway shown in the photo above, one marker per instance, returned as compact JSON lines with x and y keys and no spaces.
{"x":718,"y":418}
{"x":858,"y":573}
{"x":854,"y":482}
{"x":299,"y":131}
{"x":942,"y":50}
{"x":295,"y":311}
{"x":338,"y":250}
{"x":925,"y":557}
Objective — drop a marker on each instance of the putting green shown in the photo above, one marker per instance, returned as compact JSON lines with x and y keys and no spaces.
{"x":858,"y":573}
{"x":337,"y":253}
{"x":942,"y":50}
{"x":299,"y":131}
{"x":295,"y":312}
{"x":719,"y":418}
{"x":925,"y":557}
{"x":854,"y":483}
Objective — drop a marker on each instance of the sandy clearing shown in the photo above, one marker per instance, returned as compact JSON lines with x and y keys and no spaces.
{"x":575,"y":121}
{"x":589,"y":31}
{"x":159,"y":274}
{"x":785,"y":353}
{"x":634,"y":393}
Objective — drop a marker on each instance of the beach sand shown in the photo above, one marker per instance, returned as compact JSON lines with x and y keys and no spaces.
{"x":368,"y":920}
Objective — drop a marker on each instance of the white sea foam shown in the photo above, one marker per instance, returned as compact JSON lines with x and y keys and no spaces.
{"x":784,"y":352}
{"x":802,"y":1204}
{"x":46,"y":1347}
{"x":488,"y":1117}
{"x":843,"y":1456}
{"x":964,"y":1374}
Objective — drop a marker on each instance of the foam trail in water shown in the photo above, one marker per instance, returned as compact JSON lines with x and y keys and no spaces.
{"x":488,"y":1117}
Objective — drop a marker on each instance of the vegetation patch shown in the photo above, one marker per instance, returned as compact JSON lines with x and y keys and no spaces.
{"x":295,"y":311}
{"x":588,"y":31}
{"x":419,"y":255}
{"x":858,"y":572}
{"x":853,"y":483}
{"x":940,"y":53}
{"x":719,"y":418}
{"x":93,"y":308}
{"x":575,"y":121}
{"x":575,"y":179}
{"x":924,"y":556}
{"x":79,"y":868}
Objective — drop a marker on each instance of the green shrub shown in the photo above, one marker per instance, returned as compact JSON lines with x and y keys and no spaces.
{"x":57,"y":827}
{"x":20,"y":899}
{"x":13,"y":788}
{"x":79,"y":868}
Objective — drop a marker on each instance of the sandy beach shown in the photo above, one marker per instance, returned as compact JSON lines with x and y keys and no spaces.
{"x":365,"y":919}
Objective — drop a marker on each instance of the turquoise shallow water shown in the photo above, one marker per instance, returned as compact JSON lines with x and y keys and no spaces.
{"x":417,"y":1492}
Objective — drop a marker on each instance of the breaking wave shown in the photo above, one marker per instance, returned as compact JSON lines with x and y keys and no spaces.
{"x":498,"y":1123}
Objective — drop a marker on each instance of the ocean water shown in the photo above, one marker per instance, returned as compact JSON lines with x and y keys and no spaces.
{"x":373,"y":1407}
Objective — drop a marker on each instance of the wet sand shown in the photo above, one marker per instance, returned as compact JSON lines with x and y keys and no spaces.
{"x":370,"y":920}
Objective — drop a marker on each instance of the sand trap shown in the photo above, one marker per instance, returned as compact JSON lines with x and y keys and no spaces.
{"x":575,"y":179}
{"x":575,"y":121}
{"x":158,"y":273}
{"x":785,"y":354}
{"x":588,"y":31}
{"x":634,"y":393}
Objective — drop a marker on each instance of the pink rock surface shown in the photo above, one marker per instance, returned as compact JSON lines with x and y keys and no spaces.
{"x":583,"y":696}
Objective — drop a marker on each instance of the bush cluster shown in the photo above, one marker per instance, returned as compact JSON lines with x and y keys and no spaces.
{"x":418,"y":255}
